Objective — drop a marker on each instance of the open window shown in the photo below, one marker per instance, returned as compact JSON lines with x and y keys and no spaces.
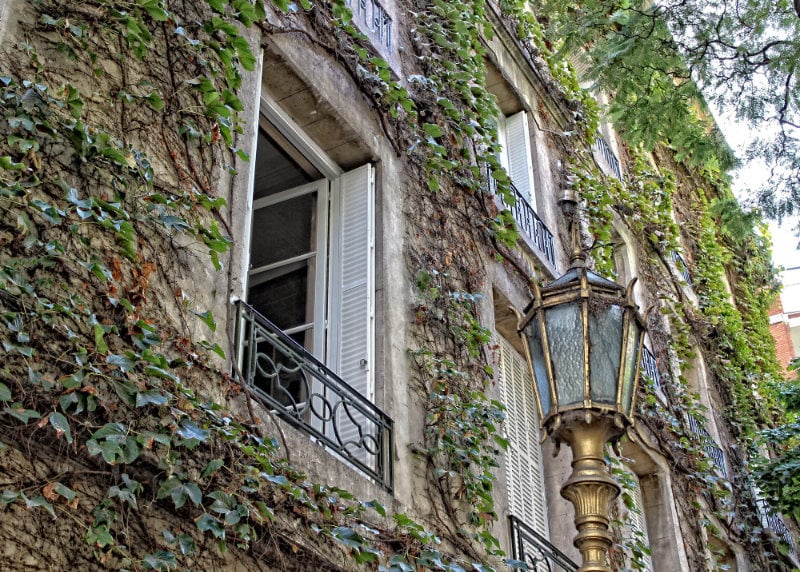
{"x":305,"y":328}
{"x":311,"y":264}
{"x":516,"y":156}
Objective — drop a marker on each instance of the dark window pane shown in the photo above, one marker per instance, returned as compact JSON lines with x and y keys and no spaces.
{"x":283,"y":230}
{"x":275,"y":170}
{"x":283,"y":299}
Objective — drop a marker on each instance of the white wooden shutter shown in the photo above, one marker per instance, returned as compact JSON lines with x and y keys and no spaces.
{"x":518,"y":151}
{"x":523,"y":461}
{"x":351,"y":287}
{"x":350,"y":318}
{"x":637,"y":518}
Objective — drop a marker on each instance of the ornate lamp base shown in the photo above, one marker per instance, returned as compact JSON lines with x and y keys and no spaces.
{"x":590,"y":488}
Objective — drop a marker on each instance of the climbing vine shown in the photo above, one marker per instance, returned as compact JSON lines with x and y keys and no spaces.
{"x":121,"y":124}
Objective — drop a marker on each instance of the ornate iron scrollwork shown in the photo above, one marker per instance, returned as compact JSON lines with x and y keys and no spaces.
{"x":305,"y":393}
{"x":535,"y":551}
{"x":529,"y":222}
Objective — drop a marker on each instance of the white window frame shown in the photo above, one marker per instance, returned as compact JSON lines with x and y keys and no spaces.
{"x":333,"y":175}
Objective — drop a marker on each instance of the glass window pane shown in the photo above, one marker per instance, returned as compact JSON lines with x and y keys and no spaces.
{"x":275,"y":170}
{"x":631,"y":358}
{"x":283,"y":230}
{"x":565,"y":335}
{"x":605,"y":347}
{"x":539,"y":367}
{"x":283,"y":299}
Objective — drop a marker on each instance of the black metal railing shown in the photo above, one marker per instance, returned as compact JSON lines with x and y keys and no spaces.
{"x":604,"y":150}
{"x":528,"y":222}
{"x":773,"y":522}
{"x":709,"y":445}
{"x":681,"y":265}
{"x":650,"y":367}
{"x":535,"y":550}
{"x":306,"y":394}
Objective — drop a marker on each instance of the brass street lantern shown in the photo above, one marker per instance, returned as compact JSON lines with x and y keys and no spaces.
{"x":584,"y":340}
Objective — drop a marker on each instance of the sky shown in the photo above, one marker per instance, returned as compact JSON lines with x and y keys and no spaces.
{"x":750,"y":176}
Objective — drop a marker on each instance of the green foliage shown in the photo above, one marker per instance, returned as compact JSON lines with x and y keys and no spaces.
{"x":651,"y":56}
{"x":120,"y":395}
{"x":778,"y":476}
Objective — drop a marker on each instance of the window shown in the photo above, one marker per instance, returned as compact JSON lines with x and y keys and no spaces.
{"x":312,"y":277}
{"x":637,"y":521}
{"x":523,"y":461}
{"x":516,"y":156}
{"x":311,"y":261}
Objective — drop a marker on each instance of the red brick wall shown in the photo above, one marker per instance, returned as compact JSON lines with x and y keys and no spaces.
{"x":780,"y":333}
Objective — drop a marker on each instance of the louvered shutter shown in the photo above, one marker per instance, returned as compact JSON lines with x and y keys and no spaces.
{"x":523,"y":461}
{"x":637,"y":519}
{"x":518,"y":152}
{"x":350,"y":307}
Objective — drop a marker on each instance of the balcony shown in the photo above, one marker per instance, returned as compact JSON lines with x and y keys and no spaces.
{"x":773,"y":522}
{"x":531,"y":227}
{"x":681,"y":266}
{"x":710,"y":446}
{"x":302,"y":391}
{"x":609,"y":159}
{"x":535,"y":551}
{"x":650,"y":368}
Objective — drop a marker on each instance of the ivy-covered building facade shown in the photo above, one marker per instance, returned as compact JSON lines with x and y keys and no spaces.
{"x":259,"y":272}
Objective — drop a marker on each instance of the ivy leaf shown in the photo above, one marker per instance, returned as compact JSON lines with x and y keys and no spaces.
{"x":151,"y":397}
{"x":122,"y":362}
{"x":191,"y":433}
{"x":277,"y":479}
{"x":211,"y":468}
{"x":147,"y":439}
{"x":5,"y":393}
{"x":161,"y":560}
{"x":64,"y":491}
{"x":217,"y":5}
{"x":99,"y":341}
{"x":432,"y":130}
{"x":179,"y":492}
{"x":205,"y":344}
{"x":186,"y":544}
{"x":61,"y":425}
{"x":501,"y":441}
{"x":24,"y":415}
{"x":206,"y":522}
{"x":40,"y":501}
{"x":131,"y":450}
{"x":208,"y":319}
{"x":99,"y":536}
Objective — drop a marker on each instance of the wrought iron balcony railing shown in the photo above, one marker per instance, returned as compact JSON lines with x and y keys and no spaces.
{"x":604,"y":150}
{"x":528,"y":222}
{"x":302,"y":391}
{"x":773,"y":522}
{"x":710,"y":446}
{"x":681,"y":265}
{"x":650,"y":367}
{"x":535,"y":551}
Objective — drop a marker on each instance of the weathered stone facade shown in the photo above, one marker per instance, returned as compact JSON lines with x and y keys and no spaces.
{"x":352,"y":264}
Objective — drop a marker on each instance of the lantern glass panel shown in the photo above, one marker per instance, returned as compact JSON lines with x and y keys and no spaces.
{"x":605,"y":343}
{"x":631,"y":360}
{"x":565,"y":340}
{"x":539,"y":365}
